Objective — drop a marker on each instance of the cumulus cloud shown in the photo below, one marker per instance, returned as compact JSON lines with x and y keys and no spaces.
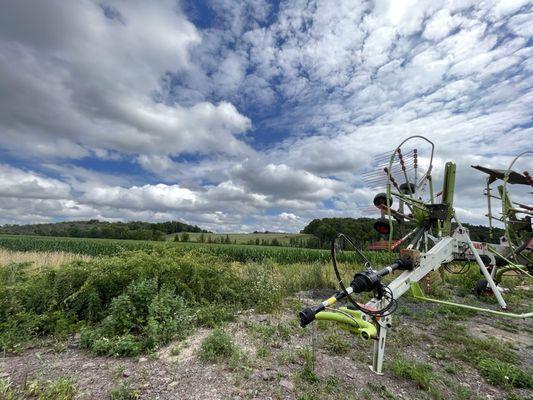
{"x":84,"y":76}
{"x":17,"y":183}
{"x":158,"y":197}
{"x":285,"y":105}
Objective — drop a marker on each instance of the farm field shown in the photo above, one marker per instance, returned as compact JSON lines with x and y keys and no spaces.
{"x":242,"y":253}
{"x":283,"y":239}
{"x":178,"y":320}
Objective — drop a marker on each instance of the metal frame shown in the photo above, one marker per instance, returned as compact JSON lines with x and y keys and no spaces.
{"x":436,"y":251}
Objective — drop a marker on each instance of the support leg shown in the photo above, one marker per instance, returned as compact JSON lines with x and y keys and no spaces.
{"x":484,"y":270}
{"x":379,"y":350}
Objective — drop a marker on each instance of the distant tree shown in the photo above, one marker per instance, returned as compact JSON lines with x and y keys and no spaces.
{"x":185,"y":237}
{"x":176,"y":238}
{"x":159,"y":236}
{"x":201,"y":238}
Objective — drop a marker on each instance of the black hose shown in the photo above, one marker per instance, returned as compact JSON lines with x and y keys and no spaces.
{"x":385,"y":292}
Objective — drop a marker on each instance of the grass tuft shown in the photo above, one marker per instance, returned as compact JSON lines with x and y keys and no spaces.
{"x":218,"y":347}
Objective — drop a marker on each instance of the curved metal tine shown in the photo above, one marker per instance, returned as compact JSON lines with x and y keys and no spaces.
{"x":404,"y":170}
{"x":415,"y":163}
{"x":387,"y":155}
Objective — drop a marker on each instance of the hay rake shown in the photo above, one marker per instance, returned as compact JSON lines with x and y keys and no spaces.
{"x":406,"y":178}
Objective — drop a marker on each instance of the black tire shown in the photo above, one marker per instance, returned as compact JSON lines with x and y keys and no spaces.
{"x":382,"y":226}
{"x":481,"y":287}
{"x":381,"y":200}
{"x":404,"y":188}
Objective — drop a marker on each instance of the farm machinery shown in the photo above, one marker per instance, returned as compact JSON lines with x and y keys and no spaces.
{"x":430,"y":238}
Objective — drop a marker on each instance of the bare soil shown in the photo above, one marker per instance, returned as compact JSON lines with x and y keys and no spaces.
{"x":277,"y":372}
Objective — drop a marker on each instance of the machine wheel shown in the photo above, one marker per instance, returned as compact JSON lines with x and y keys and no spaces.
{"x":482,"y":287}
{"x":381,"y":200}
{"x":382,"y":226}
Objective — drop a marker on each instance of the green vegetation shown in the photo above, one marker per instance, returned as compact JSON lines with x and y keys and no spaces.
{"x":419,"y":372}
{"x":337,"y":344}
{"x":134,"y":302}
{"x":218,"y":346}
{"x":307,"y":373}
{"x":317,"y":234}
{"x":7,"y":391}
{"x":124,"y":391}
{"x":256,"y":238}
{"x":102,"y":229}
{"x":361,"y":230}
{"x":91,"y":247}
{"x":143,"y":317}
{"x":240,"y":253}
{"x":138,"y":301}
{"x":59,"y":389}
{"x":504,"y":374}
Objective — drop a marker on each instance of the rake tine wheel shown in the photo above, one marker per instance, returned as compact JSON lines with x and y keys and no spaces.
{"x":511,"y":216}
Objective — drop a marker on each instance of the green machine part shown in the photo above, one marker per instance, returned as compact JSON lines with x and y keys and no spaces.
{"x":417,"y":293}
{"x":349,"y":320}
{"x":448,"y":189}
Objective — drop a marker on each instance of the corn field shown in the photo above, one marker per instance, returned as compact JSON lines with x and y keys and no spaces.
{"x":229,"y":252}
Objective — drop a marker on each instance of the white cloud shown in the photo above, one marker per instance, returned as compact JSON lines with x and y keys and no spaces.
{"x":17,"y":183}
{"x":283,"y":182}
{"x":333,"y":85}
{"x":440,"y":25}
{"x":158,"y":197}
{"x":75,"y":80}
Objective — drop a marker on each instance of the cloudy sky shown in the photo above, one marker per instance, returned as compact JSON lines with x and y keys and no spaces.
{"x":239,"y":116}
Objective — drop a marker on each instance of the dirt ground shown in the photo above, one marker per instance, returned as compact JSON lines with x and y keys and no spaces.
{"x":272,"y":363}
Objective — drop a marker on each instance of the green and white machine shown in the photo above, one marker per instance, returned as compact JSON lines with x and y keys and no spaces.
{"x":431,"y":245}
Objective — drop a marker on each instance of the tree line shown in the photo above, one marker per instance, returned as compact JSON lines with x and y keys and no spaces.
{"x":94,"y":228}
{"x":361,"y":230}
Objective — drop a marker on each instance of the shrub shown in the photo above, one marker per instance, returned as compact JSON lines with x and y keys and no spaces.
{"x":143,"y":318}
{"x":263,"y":289}
{"x":139,"y":300}
{"x":218,"y":346}
{"x":211,"y":315}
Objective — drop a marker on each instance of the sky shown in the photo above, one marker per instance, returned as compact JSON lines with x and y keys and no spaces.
{"x":251,"y":115}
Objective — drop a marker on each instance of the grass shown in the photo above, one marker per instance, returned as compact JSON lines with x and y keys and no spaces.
{"x":420,"y":373}
{"x":272,"y":334}
{"x":497,"y":361}
{"x":62,"y":388}
{"x":307,"y":373}
{"x":218,"y":347}
{"x":138,"y":301}
{"x":337,"y":344}
{"x":504,"y":374}
{"x":125,"y":391}
{"x":7,"y":391}
{"x":39,"y":260}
